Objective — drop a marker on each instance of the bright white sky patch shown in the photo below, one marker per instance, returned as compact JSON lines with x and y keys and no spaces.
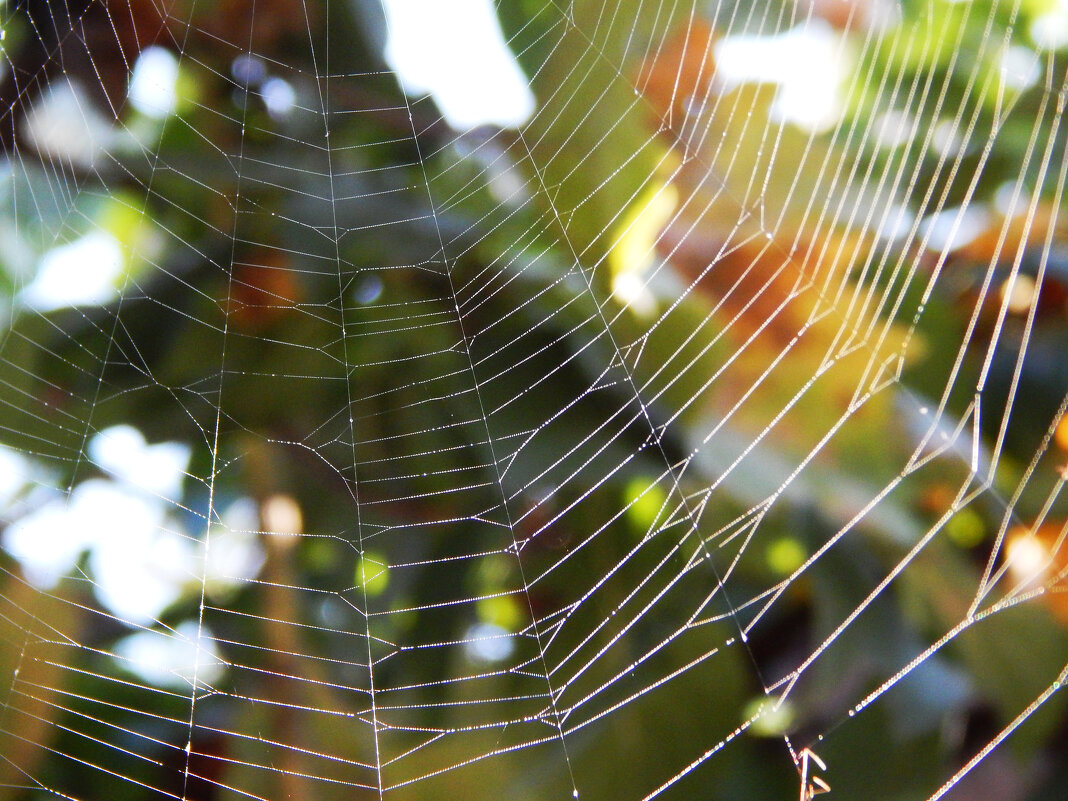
{"x":1050,"y":30}
{"x":13,"y":473}
{"x":1020,"y":68}
{"x":140,"y":559}
{"x":234,"y":555}
{"x":123,"y":452}
{"x":153,"y":84}
{"x":171,"y":659}
{"x":806,"y":62}
{"x":454,"y":49}
{"x":82,"y":273}
{"x":102,"y":515}
{"x":64,"y":123}
{"x":45,"y":544}
{"x":894,"y":128}
{"x":953,"y":228}
{"x":139,"y":568}
{"x":896,"y":222}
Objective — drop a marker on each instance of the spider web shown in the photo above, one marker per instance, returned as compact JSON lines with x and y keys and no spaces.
{"x":696,"y":437}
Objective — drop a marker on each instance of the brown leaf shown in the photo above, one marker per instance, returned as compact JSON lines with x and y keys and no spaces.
{"x":262,"y":290}
{"x":680,"y":70}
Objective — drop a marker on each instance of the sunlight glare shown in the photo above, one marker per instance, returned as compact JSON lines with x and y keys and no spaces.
{"x":64,"y":123}
{"x":158,"y":469}
{"x":1050,"y":30}
{"x":455,"y":50}
{"x":82,"y":273}
{"x":140,"y":558}
{"x":171,"y":659}
{"x":154,"y":82}
{"x":13,"y":472}
{"x":806,"y":63}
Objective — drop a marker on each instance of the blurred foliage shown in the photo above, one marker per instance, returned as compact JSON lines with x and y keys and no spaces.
{"x":420,"y":338}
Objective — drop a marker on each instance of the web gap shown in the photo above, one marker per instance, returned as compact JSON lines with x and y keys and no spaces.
{"x":505,"y":507}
